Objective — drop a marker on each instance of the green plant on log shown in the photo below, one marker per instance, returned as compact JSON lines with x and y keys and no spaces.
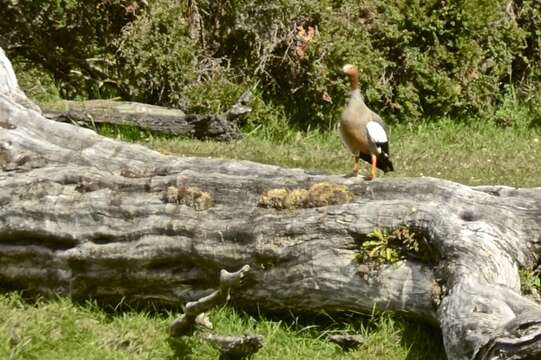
{"x":530,"y":281}
{"x":388,"y":247}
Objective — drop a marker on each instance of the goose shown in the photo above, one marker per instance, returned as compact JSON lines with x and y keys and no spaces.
{"x":363,"y":131}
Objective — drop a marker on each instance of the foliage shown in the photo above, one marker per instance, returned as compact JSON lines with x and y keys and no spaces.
{"x":216,"y":93}
{"x":379,"y":248}
{"x":36,"y":82}
{"x":389,"y":247}
{"x":156,"y":59}
{"x":419,"y":59}
{"x":526,"y":66}
{"x":72,"y":40}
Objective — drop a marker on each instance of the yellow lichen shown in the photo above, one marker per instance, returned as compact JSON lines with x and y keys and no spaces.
{"x":189,"y":196}
{"x":325,"y":193}
{"x":283,"y":198}
{"x":319,"y":194}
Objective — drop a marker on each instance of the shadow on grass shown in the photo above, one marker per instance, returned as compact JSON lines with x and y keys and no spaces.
{"x":535,"y":123}
{"x":182,"y":348}
{"x":425,"y":342}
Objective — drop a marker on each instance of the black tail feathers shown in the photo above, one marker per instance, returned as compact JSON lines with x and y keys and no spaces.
{"x":383,"y":163}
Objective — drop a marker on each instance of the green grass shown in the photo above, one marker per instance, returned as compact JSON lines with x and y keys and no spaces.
{"x":470,"y":153}
{"x":59,"y":329}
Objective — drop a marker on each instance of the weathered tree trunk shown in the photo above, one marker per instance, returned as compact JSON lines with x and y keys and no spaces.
{"x":84,"y":215}
{"x":155,"y":118}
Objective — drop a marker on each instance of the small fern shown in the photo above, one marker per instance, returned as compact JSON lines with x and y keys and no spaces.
{"x":386,"y":247}
{"x":530,"y":281}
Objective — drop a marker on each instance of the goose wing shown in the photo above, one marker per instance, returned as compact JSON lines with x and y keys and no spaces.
{"x":378,"y":136}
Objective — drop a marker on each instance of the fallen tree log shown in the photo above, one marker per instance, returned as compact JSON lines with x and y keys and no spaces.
{"x":87,"y":216}
{"x":155,"y":118}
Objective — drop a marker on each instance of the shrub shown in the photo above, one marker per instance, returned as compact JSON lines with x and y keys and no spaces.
{"x":36,"y":82}
{"x":419,"y":59}
{"x":426,"y":58}
{"x":72,"y":40}
{"x":156,"y":57}
{"x":527,"y":65}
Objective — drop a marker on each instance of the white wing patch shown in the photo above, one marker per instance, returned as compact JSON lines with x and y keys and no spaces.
{"x":376,"y":132}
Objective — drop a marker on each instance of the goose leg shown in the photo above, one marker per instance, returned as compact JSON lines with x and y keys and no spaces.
{"x":373,"y":167}
{"x":356,"y":166}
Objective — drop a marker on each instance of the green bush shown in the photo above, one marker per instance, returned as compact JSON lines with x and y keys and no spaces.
{"x":37,"y":83}
{"x":159,"y":61}
{"x":71,"y":40}
{"x":156,"y":58}
{"x":419,"y":60}
{"x":425,"y":58}
{"x":527,"y":65}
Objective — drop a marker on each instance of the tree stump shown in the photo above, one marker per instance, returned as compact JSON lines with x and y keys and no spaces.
{"x":82,"y":215}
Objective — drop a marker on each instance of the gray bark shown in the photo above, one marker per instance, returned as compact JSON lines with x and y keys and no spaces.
{"x":236,"y":347}
{"x":155,"y":118}
{"x":184,"y":325}
{"x":231,"y":347}
{"x":346,"y":341}
{"x":83,"y":215}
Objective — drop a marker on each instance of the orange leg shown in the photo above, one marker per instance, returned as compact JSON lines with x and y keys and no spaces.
{"x":373,"y":167}
{"x":356,"y":166}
